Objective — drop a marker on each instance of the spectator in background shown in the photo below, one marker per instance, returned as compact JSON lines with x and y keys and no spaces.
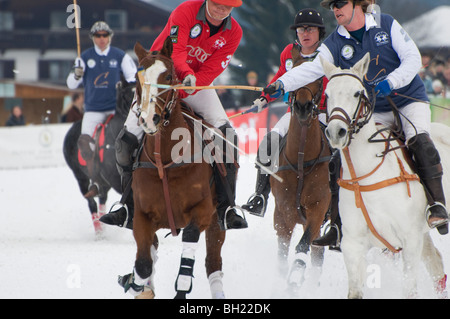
{"x":426,"y":78}
{"x":248,"y":97}
{"x":438,"y":88}
{"x":75,"y":112}
{"x":16,"y":117}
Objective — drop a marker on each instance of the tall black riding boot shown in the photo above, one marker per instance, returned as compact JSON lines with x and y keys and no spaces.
{"x":226,"y":185}
{"x":429,"y":168}
{"x":333,"y":237}
{"x":86,"y":144}
{"x":257,"y":203}
{"x":126,"y":147}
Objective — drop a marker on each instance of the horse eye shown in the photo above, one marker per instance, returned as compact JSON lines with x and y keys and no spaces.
{"x":358,"y":94}
{"x":169,"y":77}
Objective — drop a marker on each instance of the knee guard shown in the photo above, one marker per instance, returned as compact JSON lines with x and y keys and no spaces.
{"x":269,"y":148}
{"x":425,"y":156}
{"x":231,"y":136}
{"x":126,"y":145}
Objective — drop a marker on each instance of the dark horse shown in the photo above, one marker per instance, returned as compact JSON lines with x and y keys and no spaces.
{"x":104,"y":154}
{"x":304,"y":196}
{"x":172,"y":189}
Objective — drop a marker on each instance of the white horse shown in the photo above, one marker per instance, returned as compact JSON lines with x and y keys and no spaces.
{"x":395,"y":215}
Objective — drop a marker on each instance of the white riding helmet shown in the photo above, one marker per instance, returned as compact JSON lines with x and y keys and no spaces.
{"x":100,"y":26}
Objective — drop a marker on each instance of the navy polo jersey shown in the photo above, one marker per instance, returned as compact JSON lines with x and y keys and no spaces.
{"x":384,"y":60}
{"x":100,"y":78}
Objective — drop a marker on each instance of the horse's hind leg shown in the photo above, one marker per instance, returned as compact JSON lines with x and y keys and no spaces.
{"x":435,"y":266}
{"x":214,"y":242}
{"x":183,"y":284}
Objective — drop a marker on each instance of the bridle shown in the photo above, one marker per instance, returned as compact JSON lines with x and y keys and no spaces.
{"x":362,"y":114}
{"x":164,"y":104}
{"x":315,"y":99}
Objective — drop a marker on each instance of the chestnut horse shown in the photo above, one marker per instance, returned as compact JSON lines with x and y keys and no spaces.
{"x":304,"y":196}
{"x":167,"y":193}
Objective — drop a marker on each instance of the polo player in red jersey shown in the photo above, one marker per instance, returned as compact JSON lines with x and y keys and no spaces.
{"x":204,"y":38}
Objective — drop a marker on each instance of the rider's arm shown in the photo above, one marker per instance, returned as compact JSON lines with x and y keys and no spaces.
{"x":128,"y":68}
{"x":409,"y":55}
{"x":306,"y":72}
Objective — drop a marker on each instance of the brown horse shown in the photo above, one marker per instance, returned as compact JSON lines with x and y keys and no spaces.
{"x":304,"y":196}
{"x":173,"y":187}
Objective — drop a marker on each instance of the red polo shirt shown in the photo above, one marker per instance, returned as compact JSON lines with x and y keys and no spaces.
{"x":194,"y":50}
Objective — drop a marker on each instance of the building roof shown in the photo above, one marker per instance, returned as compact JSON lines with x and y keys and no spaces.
{"x":430,"y":30}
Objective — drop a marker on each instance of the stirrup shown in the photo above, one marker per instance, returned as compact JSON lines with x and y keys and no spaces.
{"x":249,"y":204}
{"x":428,"y":214}
{"x":235,"y":208}
{"x":337,"y":246}
{"x":93,"y":190}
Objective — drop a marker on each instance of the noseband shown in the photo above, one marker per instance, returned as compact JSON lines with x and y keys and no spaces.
{"x":315,"y":98}
{"x":362,"y":114}
{"x":164,"y":105}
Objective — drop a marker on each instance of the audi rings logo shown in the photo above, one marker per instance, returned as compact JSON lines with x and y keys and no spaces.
{"x":198,"y":53}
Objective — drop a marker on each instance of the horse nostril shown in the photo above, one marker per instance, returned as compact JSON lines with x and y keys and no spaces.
{"x":156,"y":119}
{"x":342,"y":132}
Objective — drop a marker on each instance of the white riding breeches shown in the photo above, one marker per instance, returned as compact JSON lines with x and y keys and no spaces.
{"x":417,"y":113}
{"x":92,"y":119}
{"x":206,"y":103}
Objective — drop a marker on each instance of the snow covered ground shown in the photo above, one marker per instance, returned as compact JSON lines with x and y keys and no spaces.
{"x":48,"y":249}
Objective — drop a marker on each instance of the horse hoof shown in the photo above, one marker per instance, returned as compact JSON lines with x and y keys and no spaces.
{"x":296,"y":275}
{"x":180,"y":295}
{"x":146,"y":294}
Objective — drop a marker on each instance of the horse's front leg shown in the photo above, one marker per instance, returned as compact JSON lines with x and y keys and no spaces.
{"x":435,"y":266}
{"x":183,"y":284}
{"x":411,"y":252}
{"x":140,"y":282}
{"x":214,"y":242}
{"x":354,"y":250}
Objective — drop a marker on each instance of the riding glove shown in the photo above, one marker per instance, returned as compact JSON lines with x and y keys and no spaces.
{"x":78,"y":72}
{"x":384,"y":88}
{"x":190,"y":80}
{"x":259,"y":104}
{"x":275,"y":90}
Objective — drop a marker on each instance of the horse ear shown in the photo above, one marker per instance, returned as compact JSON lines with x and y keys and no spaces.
{"x":140,"y":51}
{"x":167,"y":47}
{"x":362,"y":66}
{"x":328,"y":67}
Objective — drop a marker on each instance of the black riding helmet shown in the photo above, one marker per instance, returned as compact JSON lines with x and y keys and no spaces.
{"x":309,"y":17}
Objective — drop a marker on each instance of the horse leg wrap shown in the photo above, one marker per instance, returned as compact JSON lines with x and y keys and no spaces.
{"x":216,"y":285}
{"x":186,"y":271}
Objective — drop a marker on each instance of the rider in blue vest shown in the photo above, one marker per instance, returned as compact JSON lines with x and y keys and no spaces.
{"x":99,"y":69}
{"x":394,"y":68}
